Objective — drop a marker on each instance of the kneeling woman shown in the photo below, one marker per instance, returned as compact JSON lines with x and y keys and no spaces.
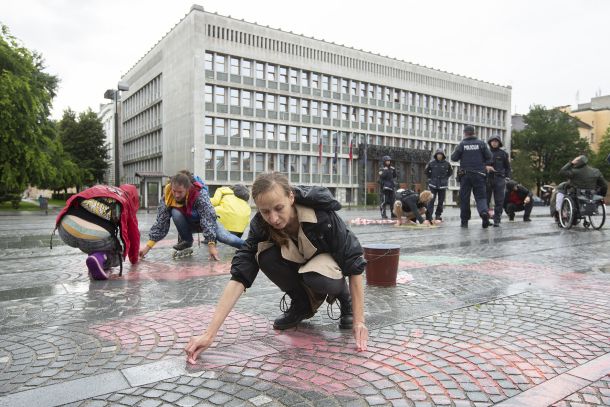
{"x":301,"y":245}
{"x":412,"y":205}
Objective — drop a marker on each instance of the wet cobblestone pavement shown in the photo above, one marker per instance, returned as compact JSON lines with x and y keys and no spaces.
{"x":510,"y":316}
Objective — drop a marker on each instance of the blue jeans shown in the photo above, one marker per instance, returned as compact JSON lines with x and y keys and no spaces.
{"x":472,"y":183}
{"x":186,"y":227}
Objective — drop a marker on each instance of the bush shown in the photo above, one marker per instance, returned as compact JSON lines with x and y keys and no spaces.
{"x":372,"y":199}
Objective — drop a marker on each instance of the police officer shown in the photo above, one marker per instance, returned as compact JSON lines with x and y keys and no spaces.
{"x":475,"y":160}
{"x":496,"y":179}
{"x":438,"y":171}
{"x":387,"y":184}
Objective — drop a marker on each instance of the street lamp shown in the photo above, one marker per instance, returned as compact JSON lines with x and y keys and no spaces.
{"x":114,"y":94}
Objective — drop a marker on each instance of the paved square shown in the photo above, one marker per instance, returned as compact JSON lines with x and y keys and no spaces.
{"x":511,"y":316}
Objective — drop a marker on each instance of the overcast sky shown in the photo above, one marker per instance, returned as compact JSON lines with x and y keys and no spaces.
{"x":552,"y":52}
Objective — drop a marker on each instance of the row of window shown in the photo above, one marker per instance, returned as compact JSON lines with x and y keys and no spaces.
{"x":314,"y":108}
{"x":150,"y":165}
{"x":283,"y":74}
{"x":244,"y":130}
{"x":143,"y":97}
{"x":143,"y":121}
{"x":303,"y":134}
{"x":354,"y":63}
{"x":246,"y":161}
{"x":146,"y":145}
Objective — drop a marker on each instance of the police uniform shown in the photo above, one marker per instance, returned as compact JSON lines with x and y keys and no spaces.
{"x":473,"y":156}
{"x":387,"y":185}
{"x":496,"y":180}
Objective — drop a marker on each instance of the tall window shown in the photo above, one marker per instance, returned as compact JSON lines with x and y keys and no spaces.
{"x":293,"y":105}
{"x":325,"y":83}
{"x":304,"y":135}
{"x":220,"y":63}
{"x":246,"y":98}
{"x":260,"y":162}
{"x":207,"y":159}
{"x":260,"y":99}
{"x":246,"y":68}
{"x":234,"y":157}
{"x":259,"y":131}
{"x":270,"y":130}
{"x":270,"y":101}
{"x":221,"y":96}
{"x":305,"y":78}
{"x":283,"y":74}
{"x":282,"y":133}
{"x":234,"y":97}
{"x":294,"y":77}
{"x":304,"y":107}
{"x":245,"y":130}
{"x":292,"y":133}
{"x":220,"y":128}
{"x":209,"y":126}
{"x":219,"y":160}
{"x":283,"y":104}
{"x":246,"y":161}
{"x":234,"y":128}
{"x":234,"y":66}
{"x":209,"y":61}
{"x":315,"y":80}
{"x":271,"y":72}
{"x":209,"y":93}
{"x":260,"y":70}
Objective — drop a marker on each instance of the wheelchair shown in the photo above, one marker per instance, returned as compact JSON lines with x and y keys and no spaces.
{"x":585,"y":205}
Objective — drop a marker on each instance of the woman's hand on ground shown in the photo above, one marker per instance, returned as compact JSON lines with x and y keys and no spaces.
{"x":361,"y":334}
{"x":144,"y":251}
{"x":213,"y":253}
{"x":195,"y":346}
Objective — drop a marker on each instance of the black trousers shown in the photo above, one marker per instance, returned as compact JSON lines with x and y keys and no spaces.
{"x":388,"y":197}
{"x":440,"y":193}
{"x":511,"y":208}
{"x":285,"y":274}
{"x":496,"y":187}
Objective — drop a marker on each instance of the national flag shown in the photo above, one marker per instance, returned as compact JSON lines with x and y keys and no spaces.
{"x":320,"y":150}
{"x":351,"y":147}
{"x":336,"y":151}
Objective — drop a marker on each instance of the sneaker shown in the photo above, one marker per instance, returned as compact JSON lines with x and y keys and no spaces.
{"x":464,"y":224}
{"x":181,"y":245}
{"x":438,"y":218}
{"x":496,"y":224}
{"x":527,"y":220}
{"x":511,"y":218}
{"x":95,"y":264}
{"x":485,"y":218}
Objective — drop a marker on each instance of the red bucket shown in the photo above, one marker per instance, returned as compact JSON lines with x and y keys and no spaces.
{"x":382,"y":263}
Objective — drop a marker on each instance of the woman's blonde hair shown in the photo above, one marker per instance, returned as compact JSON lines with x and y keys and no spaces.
{"x":263,"y":183}
{"x":425,"y":196}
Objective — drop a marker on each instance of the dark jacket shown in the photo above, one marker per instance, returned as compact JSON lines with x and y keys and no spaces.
{"x":388,"y":178}
{"x":499,"y":159}
{"x":521,"y":191}
{"x":329,"y":235}
{"x":472,"y":154}
{"x":438,"y":171}
{"x":410,"y":203}
{"x":584,"y":177}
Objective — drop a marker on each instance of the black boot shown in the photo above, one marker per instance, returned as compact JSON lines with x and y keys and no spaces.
{"x":298,"y":310}
{"x":347,"y":315}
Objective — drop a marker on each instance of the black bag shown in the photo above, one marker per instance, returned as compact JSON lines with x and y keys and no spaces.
{"x":315,"y":197}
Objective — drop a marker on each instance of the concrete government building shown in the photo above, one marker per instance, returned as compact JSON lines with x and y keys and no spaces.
{"x":228,"y":99}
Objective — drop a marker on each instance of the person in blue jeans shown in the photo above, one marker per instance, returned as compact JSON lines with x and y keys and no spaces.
{"x":187,"y":203}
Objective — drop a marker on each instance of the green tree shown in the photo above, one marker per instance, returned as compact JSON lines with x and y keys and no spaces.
{"x":599,"y":159}
{"x":84,"y":140}
{"x":26,"y":93}
{"x":549,"y":140}
{"x":64,"y":173}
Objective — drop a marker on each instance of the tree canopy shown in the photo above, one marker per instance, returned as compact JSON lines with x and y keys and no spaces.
{"x":549,"y":140}
{"x":26,"y":93}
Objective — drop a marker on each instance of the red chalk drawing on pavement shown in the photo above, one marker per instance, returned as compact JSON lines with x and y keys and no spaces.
{"x":151,"y":270}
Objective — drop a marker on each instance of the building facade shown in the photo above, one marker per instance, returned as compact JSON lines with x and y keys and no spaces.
{"x":106,"y":116}
{"x":595,"y":114}
{"x":229,"y":99}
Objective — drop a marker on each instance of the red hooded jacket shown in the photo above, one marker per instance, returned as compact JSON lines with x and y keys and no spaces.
{"x":127,"y":196}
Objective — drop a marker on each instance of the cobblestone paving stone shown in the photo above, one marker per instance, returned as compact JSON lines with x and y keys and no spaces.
{"x":477,"y":317}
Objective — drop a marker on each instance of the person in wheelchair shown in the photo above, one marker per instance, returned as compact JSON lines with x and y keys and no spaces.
{"x":516,"y":199}
{"x":580,"y":176}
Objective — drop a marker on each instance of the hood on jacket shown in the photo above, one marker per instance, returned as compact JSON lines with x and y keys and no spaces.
{"x":510,"y":185}
{"x":132,"y":194}
{"x":241,"y":191}
{"x":582,"y":161}
{"x":315,"y":197}
{"x":495,"y":137}
{"x":440,"y":151}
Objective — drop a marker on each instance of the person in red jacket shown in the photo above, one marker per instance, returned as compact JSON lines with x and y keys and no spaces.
{"x":101,"y":221}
